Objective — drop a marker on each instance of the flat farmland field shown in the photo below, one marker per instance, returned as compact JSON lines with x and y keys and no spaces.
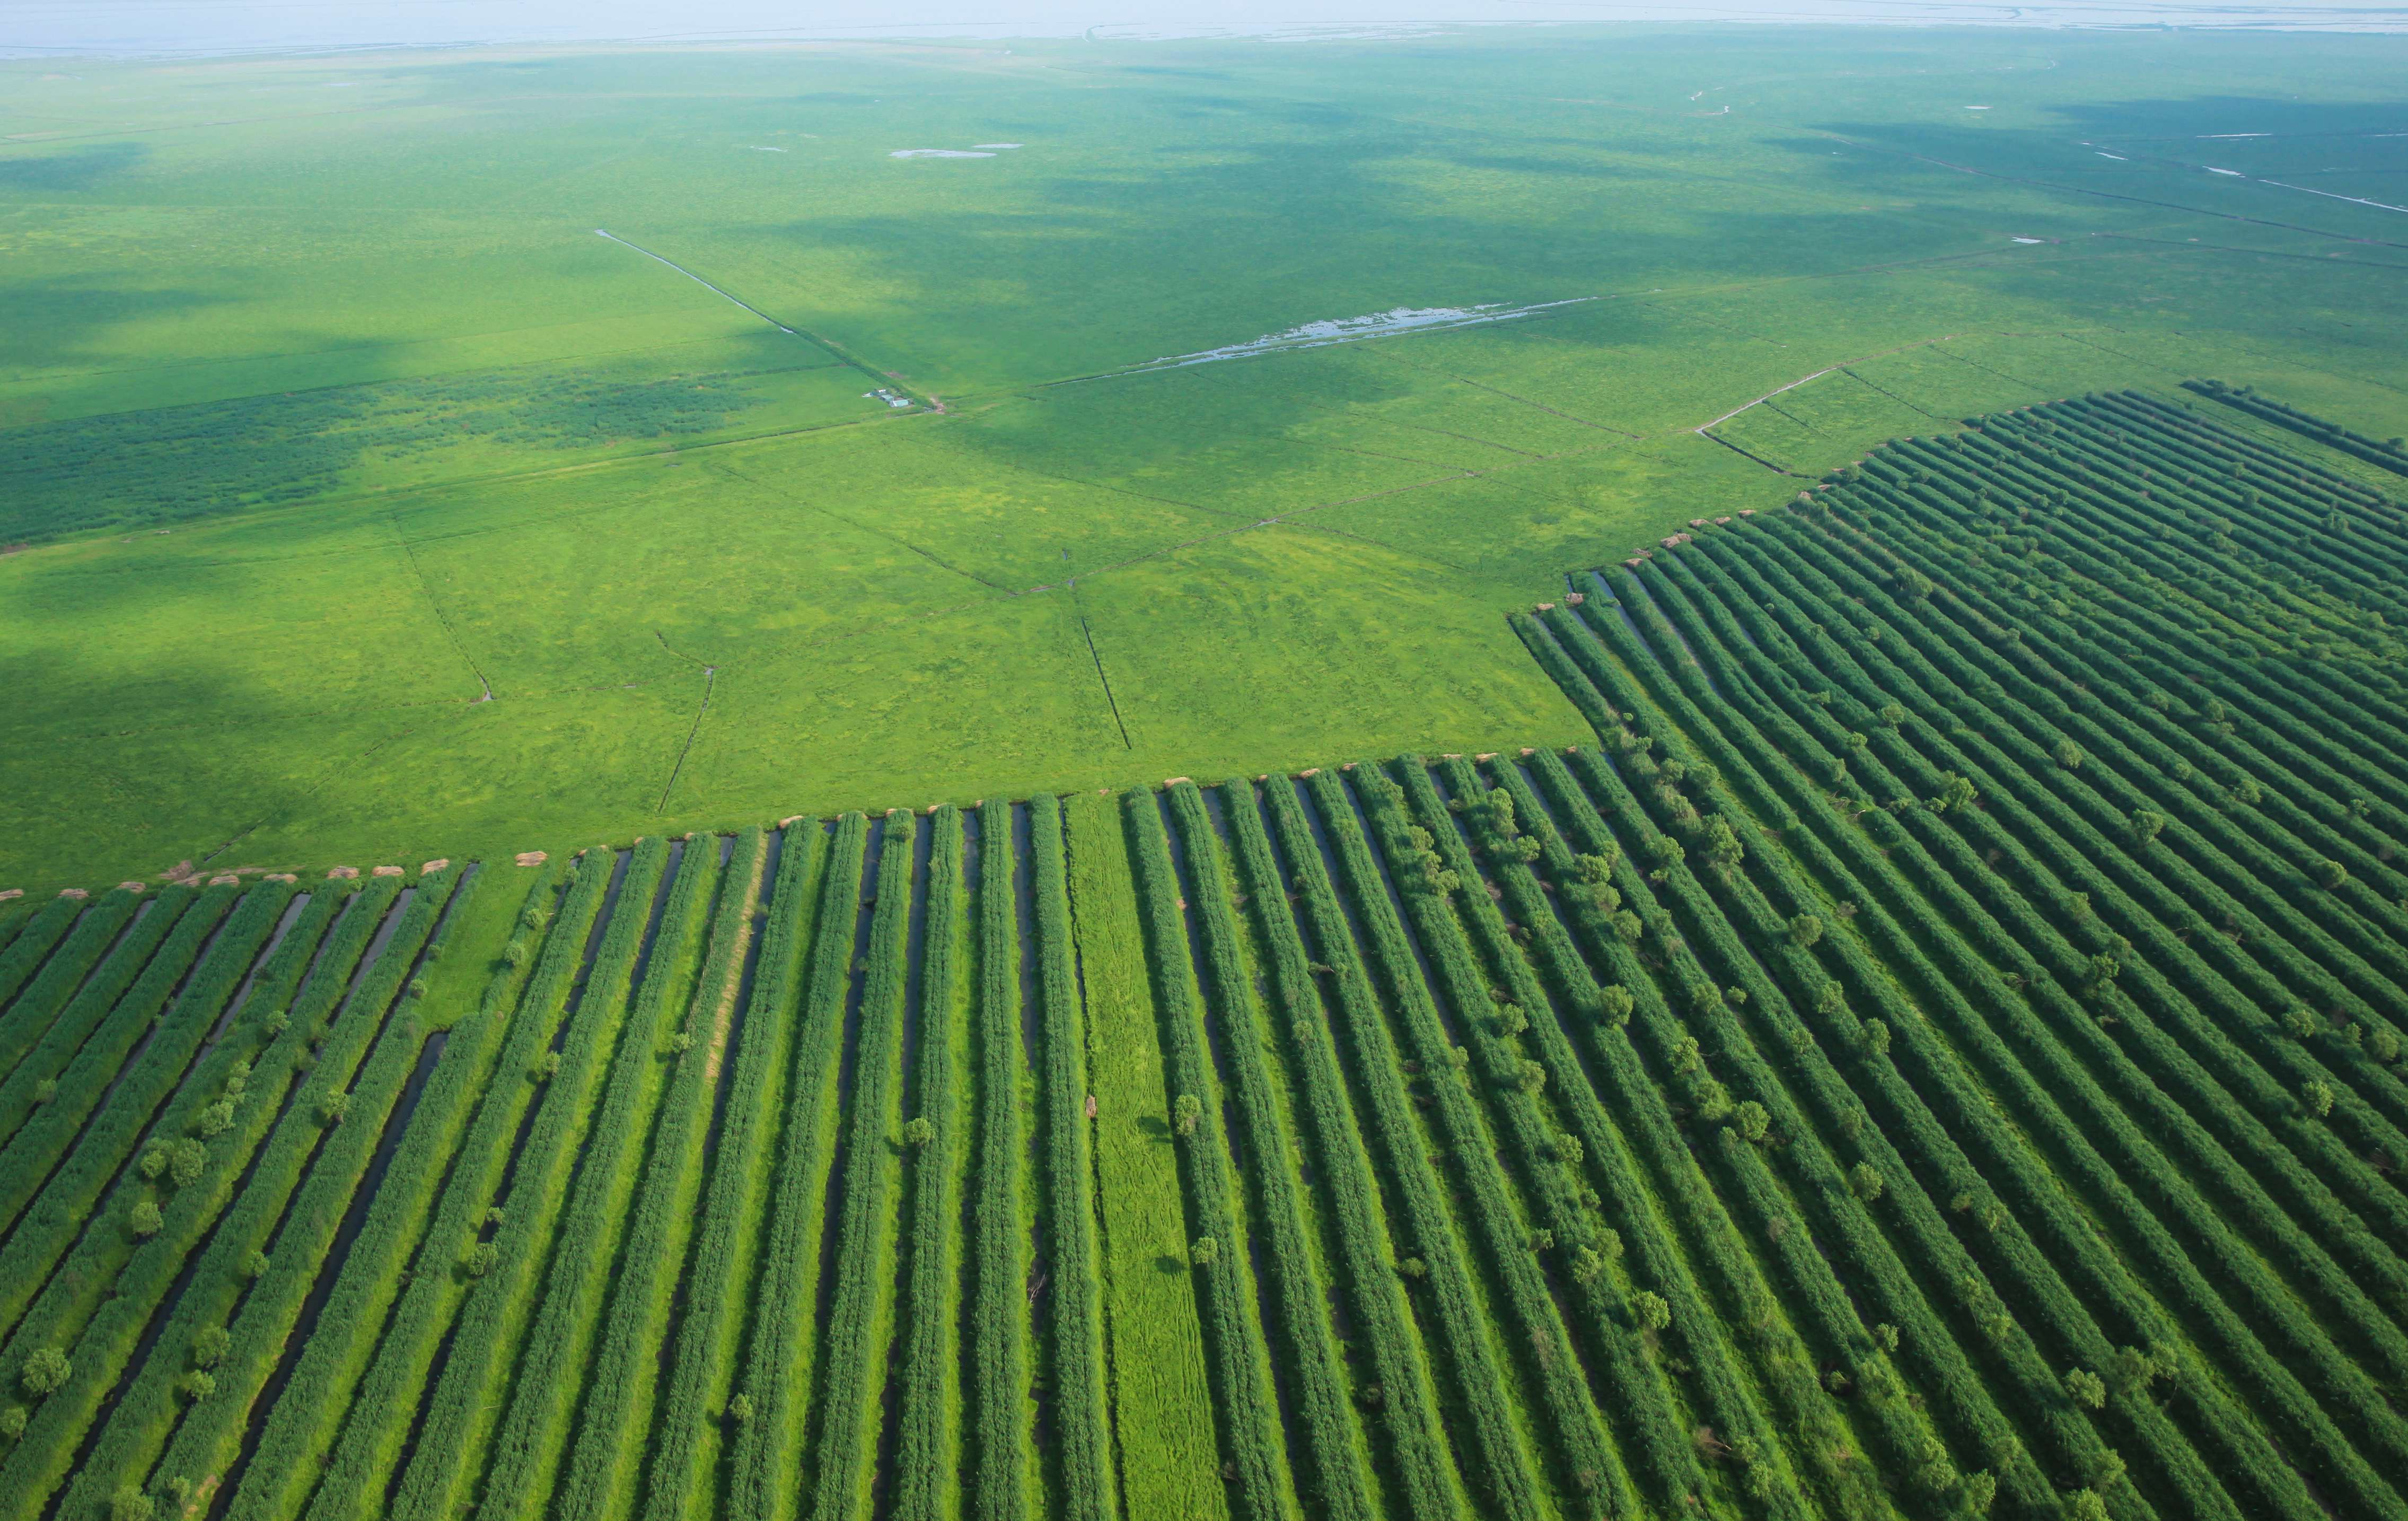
{"x":1573,"y":773}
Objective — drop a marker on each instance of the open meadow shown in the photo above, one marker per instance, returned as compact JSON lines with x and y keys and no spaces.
{"x":325,"y":414}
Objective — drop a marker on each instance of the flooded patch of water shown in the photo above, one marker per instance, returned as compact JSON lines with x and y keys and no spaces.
{"x":1376,"y":324}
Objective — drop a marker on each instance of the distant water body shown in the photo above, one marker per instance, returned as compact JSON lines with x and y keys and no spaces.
{"x":35,"y":28}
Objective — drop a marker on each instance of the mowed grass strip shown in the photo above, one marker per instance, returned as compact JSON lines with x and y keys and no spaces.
{"x":1161,"y":1394}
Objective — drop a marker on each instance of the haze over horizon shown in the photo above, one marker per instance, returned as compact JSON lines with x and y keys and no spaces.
{"x":34,"y":27}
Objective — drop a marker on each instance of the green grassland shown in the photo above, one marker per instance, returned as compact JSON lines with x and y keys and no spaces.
{"x":324,"y":413}
{"x":1931,"y":1048}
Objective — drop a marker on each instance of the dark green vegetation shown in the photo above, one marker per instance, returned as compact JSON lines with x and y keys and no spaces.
{"x":1938,"y":1055}
{"x":325,"y":414}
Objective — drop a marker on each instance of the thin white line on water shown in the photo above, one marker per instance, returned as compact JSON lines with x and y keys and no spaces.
{"x":698,"y":280}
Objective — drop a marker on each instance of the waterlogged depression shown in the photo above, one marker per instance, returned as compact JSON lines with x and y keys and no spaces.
{"x":1377,"y":325}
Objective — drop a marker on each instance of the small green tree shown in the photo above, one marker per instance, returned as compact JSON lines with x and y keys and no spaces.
{"x":186,"y":1161}
{"x":2085,"y":1388}
{"x":920,"y":1132}
{"x":1188,"y":1113}
{"x":1865,"y":1181}
{"x":1615,"y":1004}
{"x":146,"y":1219}
{"x":210,"y":1344}
{"x":2069,"y":755}
{"x":1753,"y":1120}
{"x":739,"y":1410}
{"x":1805,"y":931}
{"x":1648,"y":1308}
{"x":2319,"y":1096}
{"x":45,"y":1372}
{"x":131,"y":1504}
{"x":1205,"y":1252}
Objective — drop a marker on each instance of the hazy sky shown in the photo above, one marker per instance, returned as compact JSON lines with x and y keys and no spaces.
{"x":173,"y":25}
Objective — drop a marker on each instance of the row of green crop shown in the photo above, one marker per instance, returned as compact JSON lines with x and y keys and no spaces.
{"x":1929,"y":1145}
{"x":998,"y":1460}
{"x":927,"y":1469}
{"x":470,"y":1396}
{"x":2284,"y":977}
{"x":1494,"y":1452}
{"x":2387,"y":454}
{"x":1556,"y":991}
{"x":774,"y":1382}
{"x":129,"y":1101}
{"x":1770,"y":927}
{"x":35,"y":1080}
{"x":1493,"y":1455}
{"x":522,"y":1005}
{"x":27,"y":1019}
{"x":1174,"y":1449}
{"x":1393,"y":1385}
{"x":34,"y":941}
{"x":1494,"y":994}
{"x":2170,"y":1061}
{"x":1234,"y":1341}
{"x":851,"y":1372}
{"x":1081,"y":1467}
{"x":1742,"y":1020}
{"x":2108,"y":550}
{"x":267,"y":1147}
{"x":1592,"y":1477}
{"x":1640,"y":1121}
{"x":685,"y":1430}
{"x":686,"y":987}
{"x":2101,"y":850}
{"x":2244,"y":997}
{"x":64,"y":1258}
{"x":28,"y":1159}
{"x":108,"y":1260}
{"x":2122,"y":537}
{"x":269,"y":1252}
{"x":317,"y":1375}
{"x":2103,"y":1119}
{"x":550,"y":1382}
{"x":1334,"y":1482}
